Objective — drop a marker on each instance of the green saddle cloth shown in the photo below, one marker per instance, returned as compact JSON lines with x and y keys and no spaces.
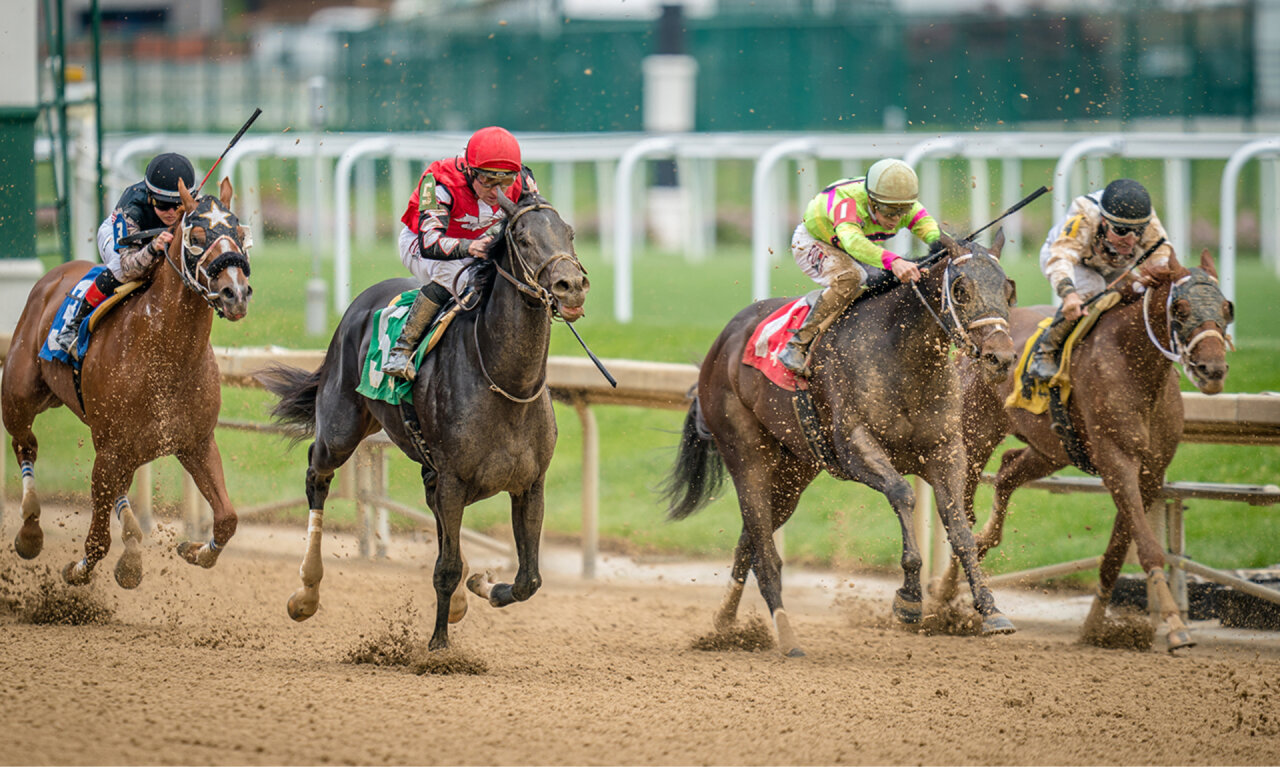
{"x":387,"y":323}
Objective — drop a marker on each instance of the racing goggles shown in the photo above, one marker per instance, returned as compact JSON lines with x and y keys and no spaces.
{"x":159,"y":204}
{"x":1123,"y":230}
{"x":892,"y":210}
{"x":491,"y":178}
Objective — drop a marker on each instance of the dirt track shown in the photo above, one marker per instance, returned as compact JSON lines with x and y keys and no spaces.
{"x":204,"y":667}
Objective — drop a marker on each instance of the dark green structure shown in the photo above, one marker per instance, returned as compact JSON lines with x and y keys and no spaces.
{"x":18,"y":182}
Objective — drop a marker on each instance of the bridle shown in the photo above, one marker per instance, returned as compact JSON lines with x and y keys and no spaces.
{"x":527,"y":284}
{"x":199,"y":277}
{"x":1178,"y":351}
{"x":958,"y":331}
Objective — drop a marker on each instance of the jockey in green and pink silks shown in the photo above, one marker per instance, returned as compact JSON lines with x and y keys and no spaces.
{"x":844,"y":225}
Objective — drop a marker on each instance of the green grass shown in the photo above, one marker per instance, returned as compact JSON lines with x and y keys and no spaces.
{"x":679,"y":309}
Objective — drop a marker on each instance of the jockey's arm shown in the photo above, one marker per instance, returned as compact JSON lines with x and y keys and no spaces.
{"x":127,"y":262}
{"x":432,"y":243}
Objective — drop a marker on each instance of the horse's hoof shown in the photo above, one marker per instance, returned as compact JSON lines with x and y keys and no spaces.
{"x":129,"y":569}
{"x":457,"y":605}
{"x":76,"y":574}
{"x":480,"y":584}
{"x":29,"y":542}
{"x":198,"y":554}
{"x":996,"y":624}
{"x":1180,"y":639}
{"x":302,"y":605}
{"x":907,"y":611}
{"x":795,"y":652}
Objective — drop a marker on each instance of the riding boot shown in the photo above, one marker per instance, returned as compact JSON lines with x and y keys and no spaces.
{"x":1046,"y":357}
{"x":824,"y":312}
{"x":67,"y":336}
{"x":399,"y":362}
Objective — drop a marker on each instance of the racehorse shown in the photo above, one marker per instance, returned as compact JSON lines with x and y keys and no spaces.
{"x":481,"y":420}
{"x":887,"y":399}
{"x":148,"y":386}
{"x":1125,"y":407}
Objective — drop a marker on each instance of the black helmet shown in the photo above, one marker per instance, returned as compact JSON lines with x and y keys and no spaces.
{"x":163,"y":173}
{"x":1126,"y":202}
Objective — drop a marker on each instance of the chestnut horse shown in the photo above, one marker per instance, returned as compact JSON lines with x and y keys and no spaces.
{"x":1126,"y":408}
{"x":149,"y":383}
{"x":887,"y":397}
{"x":480,"y":421}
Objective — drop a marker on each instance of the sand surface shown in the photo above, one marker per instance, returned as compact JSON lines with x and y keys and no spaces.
{"x":205,"y":667}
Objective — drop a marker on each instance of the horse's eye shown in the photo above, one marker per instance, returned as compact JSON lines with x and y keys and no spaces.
{"x":198,"y":235}
{"x":1011,"y":292}
{"x":1182,"y":308}
{"x":1229,"y":311}
{"x":960,"y":291}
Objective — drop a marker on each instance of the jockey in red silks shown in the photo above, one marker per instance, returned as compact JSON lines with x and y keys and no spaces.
{"x":446,"y":228}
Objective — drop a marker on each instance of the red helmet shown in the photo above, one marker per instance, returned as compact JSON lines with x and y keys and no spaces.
{"x":493,"y":148}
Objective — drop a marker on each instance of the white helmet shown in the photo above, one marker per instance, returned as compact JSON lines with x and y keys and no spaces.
{"x":892,"y":182}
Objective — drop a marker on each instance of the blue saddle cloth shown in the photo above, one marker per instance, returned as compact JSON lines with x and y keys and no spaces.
{"x":67,"y":312}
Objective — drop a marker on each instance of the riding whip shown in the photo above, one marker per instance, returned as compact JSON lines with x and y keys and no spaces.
{"x":243,"y":128}
{"x":600,"y":365}
{"x":1017,"y":207}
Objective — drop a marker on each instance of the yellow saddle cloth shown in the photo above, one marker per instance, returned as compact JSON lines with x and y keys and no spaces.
{"x":1038,"y":402}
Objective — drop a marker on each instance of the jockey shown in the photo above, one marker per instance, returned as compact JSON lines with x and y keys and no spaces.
{"x":446,"y":228}
{"x":1105,"y":235}
{"x":149,"y":204}
{"x":845,"y":224}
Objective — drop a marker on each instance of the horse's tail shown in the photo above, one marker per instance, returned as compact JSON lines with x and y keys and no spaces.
{"x":699,"y":471}
{"x":297,"y":391}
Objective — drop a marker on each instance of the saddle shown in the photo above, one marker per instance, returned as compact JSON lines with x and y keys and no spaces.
{"x":67,"y":311}
{"x":387,"y":323}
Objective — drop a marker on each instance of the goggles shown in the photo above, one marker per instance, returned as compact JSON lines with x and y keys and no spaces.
{"x":163,"y":204}
{"x":491,"y":178}
{"x":891,"y":210}
{"x":1123,"y":230}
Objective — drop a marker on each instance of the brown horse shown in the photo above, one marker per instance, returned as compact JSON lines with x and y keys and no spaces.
{"x":887,"y":398}
{"x":1125,"y":407}
{"x":148,"y":386}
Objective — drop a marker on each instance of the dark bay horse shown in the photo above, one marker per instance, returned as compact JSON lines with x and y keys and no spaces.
{"x":1125,"y":406}
{"x":480,"y":401}
{"x":887,"y":396}
{"x":149,"y":382}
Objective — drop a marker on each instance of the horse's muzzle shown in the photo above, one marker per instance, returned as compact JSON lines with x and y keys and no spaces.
{"x":233,"y":300}
{"x":997,"y":357}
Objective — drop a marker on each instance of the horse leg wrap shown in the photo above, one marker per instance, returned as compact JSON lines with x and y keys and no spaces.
{"x":1179,"y":636}
{"x":30,"y":538}
{"x":304,"y":602}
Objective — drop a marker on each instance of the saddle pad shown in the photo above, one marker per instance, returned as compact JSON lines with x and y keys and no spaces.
{"x":1038,"y":402}
{"x":387,"y":323}
{"x":66,"y":313}
{"x":770,"y":336}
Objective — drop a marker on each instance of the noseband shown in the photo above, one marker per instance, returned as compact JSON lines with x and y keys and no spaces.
{"x":1180,"y":351}
{"x":199,"y":277}
{"x":958,"y":332}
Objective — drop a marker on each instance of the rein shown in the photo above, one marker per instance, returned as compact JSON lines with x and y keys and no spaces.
{"x":1178,"y":352}
{"x":959,"y":333}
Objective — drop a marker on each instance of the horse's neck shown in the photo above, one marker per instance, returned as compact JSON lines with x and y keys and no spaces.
{"x":1144,"y":363}
{"x":514,"y":334}
{"x":913,"y":325}
{"x":176,"y":315}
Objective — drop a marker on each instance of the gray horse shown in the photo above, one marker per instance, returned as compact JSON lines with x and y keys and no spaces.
{"x":887,"y":398}
{"x":481,"y":420}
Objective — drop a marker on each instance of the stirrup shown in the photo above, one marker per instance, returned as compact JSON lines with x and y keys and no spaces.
{"x":793,"y":358}
{"x":400,"y":365}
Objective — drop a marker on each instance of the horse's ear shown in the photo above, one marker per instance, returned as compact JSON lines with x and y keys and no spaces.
{"x":225,"y":191}
{"x":188,"y":202}
{"x":997,"y":244}
{"x":1207,"y":263}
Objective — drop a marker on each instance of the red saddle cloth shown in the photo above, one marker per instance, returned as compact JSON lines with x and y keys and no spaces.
{"x":768,"y":339}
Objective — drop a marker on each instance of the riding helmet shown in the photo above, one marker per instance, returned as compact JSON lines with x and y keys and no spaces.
{"x":1126,"y":202}
{"x":163,"y":173}
{"x":892,"y":182}
{"x":493,"y":148}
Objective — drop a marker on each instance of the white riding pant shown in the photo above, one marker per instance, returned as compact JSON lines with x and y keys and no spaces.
{"x":822,"y":261}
